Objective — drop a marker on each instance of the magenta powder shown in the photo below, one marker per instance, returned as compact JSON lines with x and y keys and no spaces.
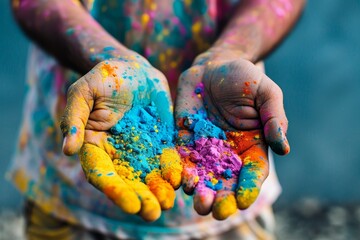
{"x":214,"y":161}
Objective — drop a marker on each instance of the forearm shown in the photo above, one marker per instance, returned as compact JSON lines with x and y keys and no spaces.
{"x":257,"y":27}
{"x":64,"y":29}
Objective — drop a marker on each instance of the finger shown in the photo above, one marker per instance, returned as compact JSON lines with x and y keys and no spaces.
{"x":162,"y":99}
{"x":253,"y":173}
{"x":190,"y":176}
{"x":225,"y":202}
{"x":189,"y":97}
{"x":273,"y":118}
{"x":150,"y":207}
{"x":241,"y":141}
{"x":162,"y":190}
{"x":203,"y":199}
{"x":246,"y":112}
{"x":76,"y":114}
{"x":101,"y":140}
{"x":100,"y":172}
{"x":244,"y":124}
{"x":224,"y":205}
{"x":171,"y":167}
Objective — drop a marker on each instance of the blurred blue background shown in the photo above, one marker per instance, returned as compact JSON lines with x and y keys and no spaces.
{"x":318,"y":68}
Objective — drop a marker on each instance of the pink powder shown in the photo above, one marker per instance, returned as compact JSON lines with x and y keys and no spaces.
{"x":214,"y":161}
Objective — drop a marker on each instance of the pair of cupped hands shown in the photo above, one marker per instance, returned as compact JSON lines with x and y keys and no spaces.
{"x":237,"y":96}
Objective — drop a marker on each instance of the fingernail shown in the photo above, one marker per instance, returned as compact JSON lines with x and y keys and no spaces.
{"x":64,"y":143}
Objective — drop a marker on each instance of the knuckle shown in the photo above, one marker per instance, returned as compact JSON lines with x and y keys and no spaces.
{"x":277,"y":90}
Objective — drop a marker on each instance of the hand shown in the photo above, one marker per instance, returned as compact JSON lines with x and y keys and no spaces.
{"x":95,"y":103}
{"x":238,"y":97}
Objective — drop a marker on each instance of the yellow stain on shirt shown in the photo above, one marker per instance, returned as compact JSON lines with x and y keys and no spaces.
{"x":145,"y":18}
{"x":196,"y":27}
{"x":173,"y":64}
{"x":16,"y":3}
{"x":188,"y":2}
{"x":162,"y":57}
{"x":153,"y":6}
{"x":166,"y":32}
{"x":21,"y":180}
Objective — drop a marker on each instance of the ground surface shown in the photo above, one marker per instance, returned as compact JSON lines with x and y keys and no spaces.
{"x":307,"y":220}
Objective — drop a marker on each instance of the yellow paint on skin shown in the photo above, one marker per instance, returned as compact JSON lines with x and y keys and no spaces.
{"x":106,"y":70}
{"x":137,"y":65}
{"x":171,"y":167}
{"x":100,"y":172}
{"x":124,"y":170}
{"x":224,"y":205}
{"x":246,"y":197}
{"x":163,"y":191}
{"x":150,"y":207}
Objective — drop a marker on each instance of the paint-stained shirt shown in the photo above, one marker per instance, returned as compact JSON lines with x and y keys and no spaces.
{"x":169,"y":34}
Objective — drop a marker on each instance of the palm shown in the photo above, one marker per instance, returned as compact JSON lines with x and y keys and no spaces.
{"x":97,"y":102}
{"x":230,"y":93}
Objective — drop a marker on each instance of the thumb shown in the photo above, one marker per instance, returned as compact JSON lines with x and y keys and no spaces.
{"x":76,"y":114}
{"x":188,"y":101}
{"x":273,"y":118}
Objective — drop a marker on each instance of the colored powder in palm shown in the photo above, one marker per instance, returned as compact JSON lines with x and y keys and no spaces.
{"x":214,"y":160}
{"x":139,"y":138}
{"x":203,"y":128}
{"x":212,"y":154}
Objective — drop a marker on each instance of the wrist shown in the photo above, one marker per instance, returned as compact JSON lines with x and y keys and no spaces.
{"x":116,"y":53}
{"x":223,"y":53}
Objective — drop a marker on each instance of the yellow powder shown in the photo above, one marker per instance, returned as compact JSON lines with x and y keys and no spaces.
{"x":171,"y":167}
{"x":124,"y":170}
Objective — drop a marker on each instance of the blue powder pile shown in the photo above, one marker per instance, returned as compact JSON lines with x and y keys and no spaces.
{"x":216,"y":187}
{"x":139,"y":138}
{"x":227,"y":173}
{"x":203,"y":128}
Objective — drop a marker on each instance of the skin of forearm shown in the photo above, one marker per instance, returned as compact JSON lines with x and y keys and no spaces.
{"x":258,"y":26}
{"x":64,"y":29}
